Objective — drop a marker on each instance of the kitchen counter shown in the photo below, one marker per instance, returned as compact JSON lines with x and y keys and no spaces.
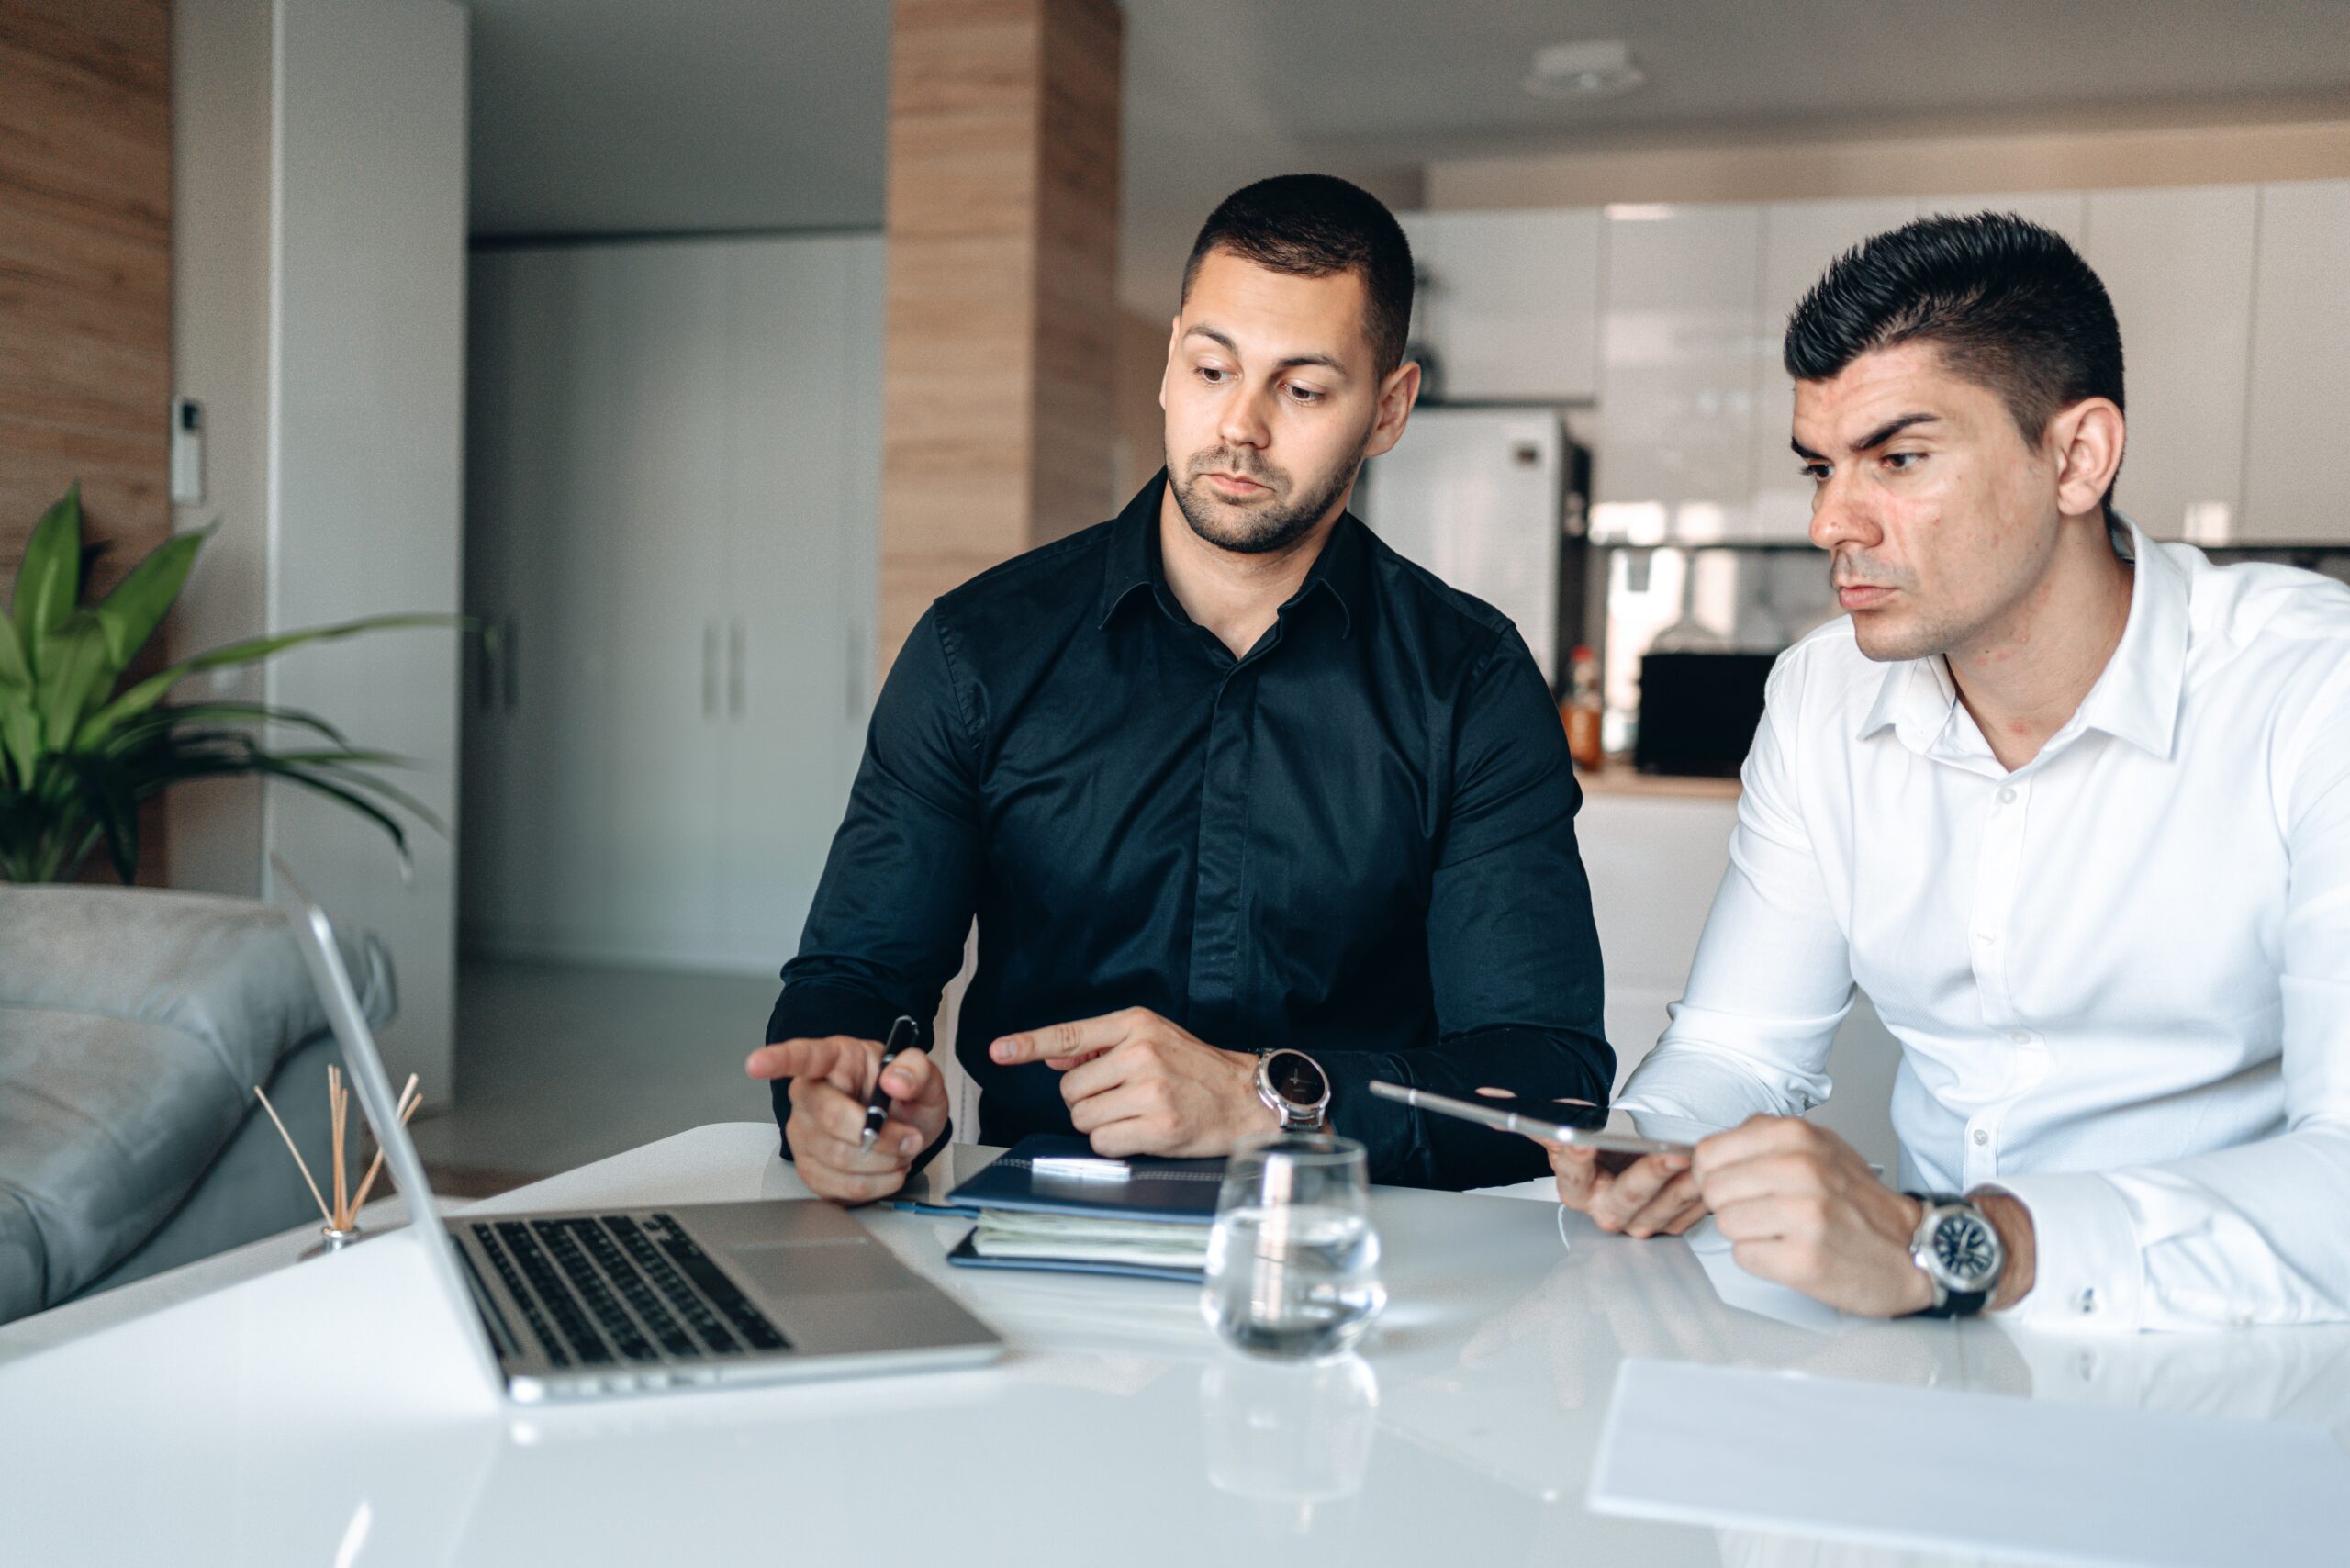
{"x":1619,"y":777}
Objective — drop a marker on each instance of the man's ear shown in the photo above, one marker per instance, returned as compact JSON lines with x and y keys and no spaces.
{"x":1397,"y":392}
{"x":2085,"y":441}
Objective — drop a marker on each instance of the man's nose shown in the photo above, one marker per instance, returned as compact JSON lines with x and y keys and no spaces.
{"x":1244,"y":422}
{"x":1838,"y":516}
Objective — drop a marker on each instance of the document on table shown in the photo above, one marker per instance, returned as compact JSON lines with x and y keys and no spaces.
{"x":1003,"y":1233}
{"x":1928,"y":1470}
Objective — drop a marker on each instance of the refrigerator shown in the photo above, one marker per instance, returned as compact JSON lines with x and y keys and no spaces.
{"x":1489,"y":498}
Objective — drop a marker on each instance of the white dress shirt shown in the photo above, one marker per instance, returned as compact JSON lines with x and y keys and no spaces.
{"x":2120,"y":974}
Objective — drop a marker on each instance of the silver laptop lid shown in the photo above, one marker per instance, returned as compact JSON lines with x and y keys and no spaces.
{"x":364,"y":1065}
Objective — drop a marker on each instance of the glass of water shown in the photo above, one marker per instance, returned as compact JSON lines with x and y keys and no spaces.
{"x":1292,"y":1262}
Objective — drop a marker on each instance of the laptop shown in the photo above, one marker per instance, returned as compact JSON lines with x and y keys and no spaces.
{"x":591,"y":1302}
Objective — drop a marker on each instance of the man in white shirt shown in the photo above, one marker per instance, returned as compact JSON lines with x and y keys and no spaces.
{"x":2073,"y":807}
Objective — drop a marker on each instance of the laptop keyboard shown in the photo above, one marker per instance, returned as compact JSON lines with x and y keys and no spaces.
{"x":607,"y":1289}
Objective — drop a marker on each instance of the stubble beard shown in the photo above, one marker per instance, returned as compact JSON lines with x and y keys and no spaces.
{"x":1268,"y":525}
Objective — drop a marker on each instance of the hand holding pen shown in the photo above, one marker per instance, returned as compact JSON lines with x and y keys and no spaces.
{"x":903,"y":1034}
{"x":840,"y":1149}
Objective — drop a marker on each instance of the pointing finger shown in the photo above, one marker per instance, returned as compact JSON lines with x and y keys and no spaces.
{"x":1058,"y":1042}
{"x":836,"y":1058}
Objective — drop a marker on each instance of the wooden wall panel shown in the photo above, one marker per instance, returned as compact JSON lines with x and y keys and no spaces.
{"x":1002,"y":225}
{"x":85,"y":285}
{"x":85,"y":269}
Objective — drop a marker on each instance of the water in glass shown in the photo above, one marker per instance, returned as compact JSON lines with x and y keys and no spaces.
{"x":1293,"y":1267}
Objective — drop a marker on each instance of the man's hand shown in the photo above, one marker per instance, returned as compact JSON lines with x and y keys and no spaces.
{"x":1802,"y":1208}
{"x":1138,"y":1084}
{"x":1652,"y":1194}
{"x":829,"y":1079}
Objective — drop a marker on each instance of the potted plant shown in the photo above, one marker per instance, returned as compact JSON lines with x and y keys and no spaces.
{"x":79,"y":750}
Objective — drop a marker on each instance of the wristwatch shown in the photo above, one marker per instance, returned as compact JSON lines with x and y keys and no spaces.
{"x":1295,"y":1087}
{"x":1959,"y":1250}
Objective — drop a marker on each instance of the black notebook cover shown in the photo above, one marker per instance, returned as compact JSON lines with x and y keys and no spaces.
{"x":1180,"y":1191}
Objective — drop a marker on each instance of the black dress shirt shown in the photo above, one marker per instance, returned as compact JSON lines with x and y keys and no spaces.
{"x":1358,"y":841}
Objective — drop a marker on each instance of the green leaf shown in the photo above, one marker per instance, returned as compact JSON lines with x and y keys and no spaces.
{"x":49,"y":579}
{"x":16,"y":675}
{"x":139,"y":603}
{"x":344,"y":771}
{"x":21,"y":733}
{"x":75,"y":672}
{"x":139,"y":699}
{"x":147,"y":726}
{"x":310,"y":779}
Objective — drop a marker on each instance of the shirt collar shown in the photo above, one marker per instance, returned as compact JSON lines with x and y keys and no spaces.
{"x":1342,"y":571}
{"x":2136,"y":696}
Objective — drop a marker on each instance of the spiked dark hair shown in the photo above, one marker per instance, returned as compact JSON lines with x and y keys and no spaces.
{"x":2011,"y":305}
{"x":1316,"y":226}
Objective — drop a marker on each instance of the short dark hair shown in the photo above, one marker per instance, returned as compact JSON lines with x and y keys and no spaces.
{"x":1315,"y":226}
{"x":2011,"y":305}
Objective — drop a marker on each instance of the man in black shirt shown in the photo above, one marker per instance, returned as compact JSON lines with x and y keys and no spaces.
{"x":1223,"y":777}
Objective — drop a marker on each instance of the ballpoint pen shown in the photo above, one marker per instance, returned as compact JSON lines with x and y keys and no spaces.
{"x":904,"y":1034}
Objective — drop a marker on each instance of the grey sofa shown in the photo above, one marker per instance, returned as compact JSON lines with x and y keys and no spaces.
{"x":133,"y":1025}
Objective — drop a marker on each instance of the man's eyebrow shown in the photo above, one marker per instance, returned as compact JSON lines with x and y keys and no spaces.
{"x":1325,"y":360}
{"x":1890,"y":428}
{"x":1804,"y":451}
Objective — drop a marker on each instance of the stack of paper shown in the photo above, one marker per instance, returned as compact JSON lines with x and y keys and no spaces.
{"x":1080,"y":1238}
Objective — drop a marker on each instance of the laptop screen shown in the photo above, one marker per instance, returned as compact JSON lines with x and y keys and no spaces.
{"x":363,"y":1065}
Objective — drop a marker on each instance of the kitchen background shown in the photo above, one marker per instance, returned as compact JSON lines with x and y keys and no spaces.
{"x":721,"y":439}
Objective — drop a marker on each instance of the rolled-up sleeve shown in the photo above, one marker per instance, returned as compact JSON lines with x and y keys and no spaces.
{"x":1513,"y":952}
{"x":886,"y":931}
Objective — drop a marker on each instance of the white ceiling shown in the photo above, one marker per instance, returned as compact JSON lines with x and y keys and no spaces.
{"x":627,"y":115}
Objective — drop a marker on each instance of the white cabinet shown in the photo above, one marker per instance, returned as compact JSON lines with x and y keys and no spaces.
{"x":2066,"y":212}
{"x":673,"y":522}
{"x":2299,"y":396}
{"x":1800,"y":238}
{"x":1509,"y":301}
{"x":1676,"y":375}
{"x":2178,"y":264}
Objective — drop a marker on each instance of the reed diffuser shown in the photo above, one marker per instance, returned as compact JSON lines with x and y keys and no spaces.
{"x":341,"y":1218}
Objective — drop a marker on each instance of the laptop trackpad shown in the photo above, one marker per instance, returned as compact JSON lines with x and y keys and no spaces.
{"x":799,"y":1271}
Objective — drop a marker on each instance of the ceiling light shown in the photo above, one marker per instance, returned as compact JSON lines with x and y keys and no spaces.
{"x":1603,"y":67}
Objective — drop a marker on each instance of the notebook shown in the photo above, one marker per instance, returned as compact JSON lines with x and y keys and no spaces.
{"x":1050,"y":1203}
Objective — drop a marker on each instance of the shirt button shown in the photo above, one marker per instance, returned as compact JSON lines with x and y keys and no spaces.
{"x":1981,"y":1137}
{"x":2019,"y":1037}
{"x":2008,"y":797}
{"x":1987,"y":937}
{"x":2086,"y":1301}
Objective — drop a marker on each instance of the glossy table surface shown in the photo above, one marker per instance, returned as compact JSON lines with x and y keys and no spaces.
{"x":324,"y":1413}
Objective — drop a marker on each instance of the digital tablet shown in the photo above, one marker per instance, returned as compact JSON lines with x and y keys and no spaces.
{"x":1576,"y":1122}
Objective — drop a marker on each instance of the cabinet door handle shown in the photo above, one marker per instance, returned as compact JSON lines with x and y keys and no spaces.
{"x":735,"y":639}
{"x":486,"y":651}
{"x":710,"y":670}
{"x":511,"y":659}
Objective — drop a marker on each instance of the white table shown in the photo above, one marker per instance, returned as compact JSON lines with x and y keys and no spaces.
{"x":233,"y":1428}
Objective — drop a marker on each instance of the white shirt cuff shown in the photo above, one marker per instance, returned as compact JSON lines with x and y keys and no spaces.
{"x":2089,"y":1272}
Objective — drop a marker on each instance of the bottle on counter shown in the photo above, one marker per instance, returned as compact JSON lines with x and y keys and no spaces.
{"x":1582,"y":710}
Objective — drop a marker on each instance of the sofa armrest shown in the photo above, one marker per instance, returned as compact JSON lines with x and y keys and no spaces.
{"x":223,"y":971}
{"x":133,"y":1025}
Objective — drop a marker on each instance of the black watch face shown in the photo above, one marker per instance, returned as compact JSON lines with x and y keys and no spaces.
{"x":1294,"y":1078}
{"x":1963,"y":1245}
